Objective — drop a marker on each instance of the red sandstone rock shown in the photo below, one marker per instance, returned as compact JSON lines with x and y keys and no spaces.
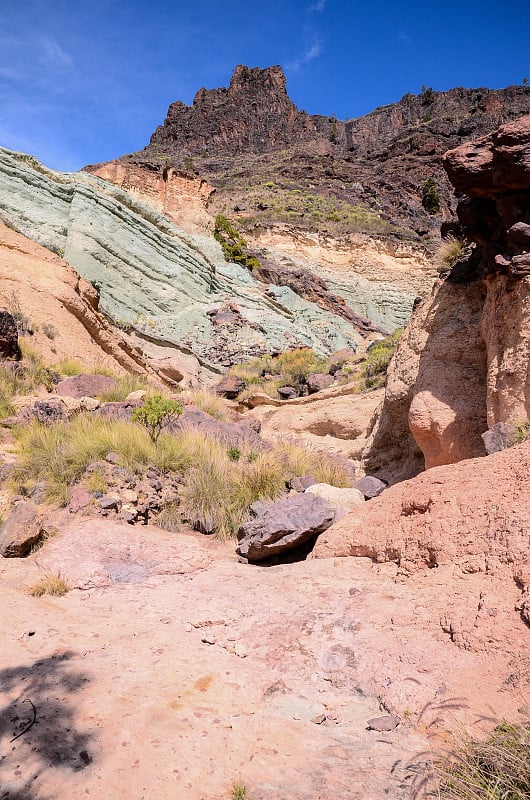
{"x":475,"y":513}
{"x":493,"y":165}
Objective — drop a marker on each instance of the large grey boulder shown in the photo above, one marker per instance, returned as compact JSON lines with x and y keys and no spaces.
{"x":284,"y":526}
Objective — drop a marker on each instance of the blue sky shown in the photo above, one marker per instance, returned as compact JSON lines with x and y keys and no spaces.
{"x":83,"y":81}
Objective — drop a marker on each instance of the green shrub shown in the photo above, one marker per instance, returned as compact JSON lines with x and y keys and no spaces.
{"x":379,"y":356}
{"x":233,"y":243}
{"x":521,"y":432}
{"x":156,"y":413}
{"x":430,"y":196}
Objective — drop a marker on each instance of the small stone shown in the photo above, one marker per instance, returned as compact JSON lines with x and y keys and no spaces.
{"x":208,"y":639}
{"x":370,"y":486}
{"x":240,"y":650}
{"x":319,"y":719}
{"x":109,"y":503}
{"x":288,"y":392}
{"x":382,"y":724}
{"x":112,"y":457}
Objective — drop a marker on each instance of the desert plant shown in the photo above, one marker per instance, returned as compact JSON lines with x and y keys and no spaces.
{"x":49,"y":330}
{"x":125,"y":385}
{"x":451,"y":250}
{"x":378,"y":359}
{"x":298,"y":460}
{"x":156,"y":413}
{"x":69,"y":367}
{"x":51,"y":583}
{"x":207,"y":401}
{"x":239,"y":792}
{"x":233,"y":244}
{"x":430,"y":196}
{"x":495,"y":768}
{"x":59,"y":454}
{"x":521,"y":431}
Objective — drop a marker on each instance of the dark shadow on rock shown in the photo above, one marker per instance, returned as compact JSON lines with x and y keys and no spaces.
{"x":38,"y":724}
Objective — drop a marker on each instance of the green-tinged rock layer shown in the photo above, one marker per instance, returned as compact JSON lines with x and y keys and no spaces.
{"x":152,"y":274}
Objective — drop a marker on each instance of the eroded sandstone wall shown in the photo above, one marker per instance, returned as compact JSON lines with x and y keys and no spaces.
{"x":464,"y":363}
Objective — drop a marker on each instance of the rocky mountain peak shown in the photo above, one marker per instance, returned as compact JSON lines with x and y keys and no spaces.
{"x":253,"y":115}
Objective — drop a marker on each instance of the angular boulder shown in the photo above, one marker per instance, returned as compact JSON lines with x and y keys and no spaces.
{"x":230,"y":386}
{"x":22,"y":529}
{"x":284,"y":526}
{"x":370,"y":486}
{"x":318,"y":381}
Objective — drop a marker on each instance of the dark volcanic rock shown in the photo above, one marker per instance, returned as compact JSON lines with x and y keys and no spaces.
{"x":317,"y":381}
{"x":230,"y":386}
{"x":378,"y":162}
{"x":494,"y":173}
{"x":288,"y":392}
{"x":284,"y":526}
{"x":8,"y":336}
{"x":370,"y":486}
{"x":48,"y":411}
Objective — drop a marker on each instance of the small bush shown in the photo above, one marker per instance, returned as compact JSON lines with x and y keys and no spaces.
{"x":233,"y":243}
{"x":430,"y":196}
{"x":126,"y":384}
{"x":378,"y":359}
{"x":239,"y":792}
{"x":53,"y":584}
{"x":449,"y":252}
{"x":59,"y":454}
{"x":49,"y":330}
{"x":497,"y":768}
{"x":156,"y":413}
{"x":521,"y":432}
{"x":69,"y":367}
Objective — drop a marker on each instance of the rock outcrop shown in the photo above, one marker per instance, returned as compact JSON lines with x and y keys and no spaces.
{"x":61,"y":308}
{"x":153,"y":275}
{"x":475,"y":514}
{"x":251,"y":133}
{"x":464,"y":363}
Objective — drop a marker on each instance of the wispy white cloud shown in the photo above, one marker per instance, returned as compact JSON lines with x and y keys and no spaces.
{"x":311,"y":52}
{"x":54,"y":55}
{"x":319,"y":5}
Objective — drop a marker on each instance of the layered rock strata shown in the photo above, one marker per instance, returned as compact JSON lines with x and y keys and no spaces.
{"x":152,"y":275}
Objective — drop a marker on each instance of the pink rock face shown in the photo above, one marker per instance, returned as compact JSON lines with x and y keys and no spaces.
{"x":476,"y":514}
{"x":169,"y":670}
{"x":463,"y":364}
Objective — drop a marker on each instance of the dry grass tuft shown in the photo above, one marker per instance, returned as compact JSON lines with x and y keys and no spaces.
{"x":449,"y":252}
{"x":497,"y":768}
{"x":51,"y":583}
{"x":209,"y":402}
